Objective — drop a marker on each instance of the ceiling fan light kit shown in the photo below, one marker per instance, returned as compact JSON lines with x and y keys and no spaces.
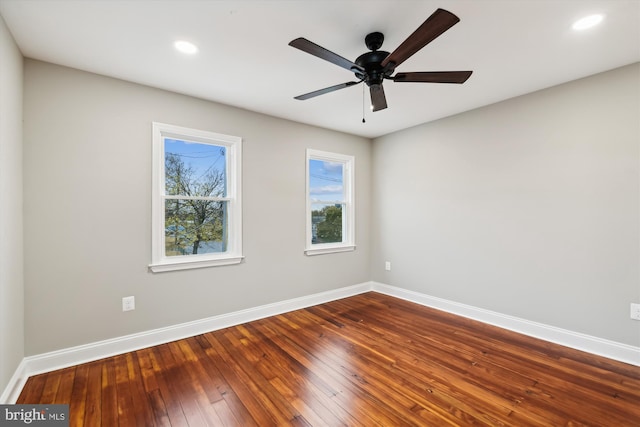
{"x":373,"y":67}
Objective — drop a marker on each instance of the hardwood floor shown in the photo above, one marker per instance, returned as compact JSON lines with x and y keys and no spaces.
{"x":367,"y":360}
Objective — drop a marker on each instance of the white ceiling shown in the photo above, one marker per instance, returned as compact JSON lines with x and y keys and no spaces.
{"x":512,"y":46}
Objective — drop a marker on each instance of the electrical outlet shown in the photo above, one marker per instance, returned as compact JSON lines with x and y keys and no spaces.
{"x":128,"y":303}
{"x":635,"y":311}
{"x":387,"y":265}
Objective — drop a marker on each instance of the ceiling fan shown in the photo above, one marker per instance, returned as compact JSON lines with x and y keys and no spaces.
{"x":375,"y":66}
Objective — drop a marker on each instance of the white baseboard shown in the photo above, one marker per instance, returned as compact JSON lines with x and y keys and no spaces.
{"x":16,"y":383}
{"x":33,"y":365}
{"x":599,"y":346}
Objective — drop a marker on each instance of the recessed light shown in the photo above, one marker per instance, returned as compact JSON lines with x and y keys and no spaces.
{"x":186,"y":47}
{"x":587,"y":22}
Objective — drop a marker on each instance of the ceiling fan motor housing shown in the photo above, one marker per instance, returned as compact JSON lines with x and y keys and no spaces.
{"x":374,"y":73}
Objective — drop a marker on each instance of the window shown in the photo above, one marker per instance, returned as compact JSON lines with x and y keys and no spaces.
{"x":330,"y":210}
{"x":197,"y":211}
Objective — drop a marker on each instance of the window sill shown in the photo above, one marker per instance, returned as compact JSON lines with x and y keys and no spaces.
{"x":191,"y":264}
{"x":329,"y":250}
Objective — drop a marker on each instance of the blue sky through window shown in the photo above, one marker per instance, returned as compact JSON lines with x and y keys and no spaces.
{"x":326,"y":180}
{"x":202,"y":158}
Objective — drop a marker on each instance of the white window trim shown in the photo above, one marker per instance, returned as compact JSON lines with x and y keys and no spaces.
{"x":233,"y":145}
{"x":348,"y":223}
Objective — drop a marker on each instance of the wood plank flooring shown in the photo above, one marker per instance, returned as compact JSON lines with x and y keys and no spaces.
{"x":367,"y":360}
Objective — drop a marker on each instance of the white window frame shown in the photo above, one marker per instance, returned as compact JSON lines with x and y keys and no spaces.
{"x":348,"y":212}
{"x":233,"y":158}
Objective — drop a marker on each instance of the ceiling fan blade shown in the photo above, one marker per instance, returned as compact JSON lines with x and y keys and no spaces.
{"x":322,"y":53}
{"x":439,"y":22}
{"x":378,"y":100}
{"x":325,"y":90}
{"x":433,"y":77}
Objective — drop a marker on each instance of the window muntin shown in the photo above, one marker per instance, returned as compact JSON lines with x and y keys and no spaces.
{"x":196,"y":201}
{"x":330,"y":215}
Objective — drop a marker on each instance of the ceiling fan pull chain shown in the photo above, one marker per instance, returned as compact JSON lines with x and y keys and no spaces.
{"x":363,"y":120}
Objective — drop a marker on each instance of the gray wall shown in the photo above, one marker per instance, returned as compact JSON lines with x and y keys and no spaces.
{"x":528,"y":207}
{"x":87,"y":193}
{"x":11,"y":240}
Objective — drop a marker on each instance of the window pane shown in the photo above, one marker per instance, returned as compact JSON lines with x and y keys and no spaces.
{"x":194,"y":169}
{"x":329,"y":205}
{"x":326,"y":223}
{"x":195,"y":227}
{"x":326,"y":181}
